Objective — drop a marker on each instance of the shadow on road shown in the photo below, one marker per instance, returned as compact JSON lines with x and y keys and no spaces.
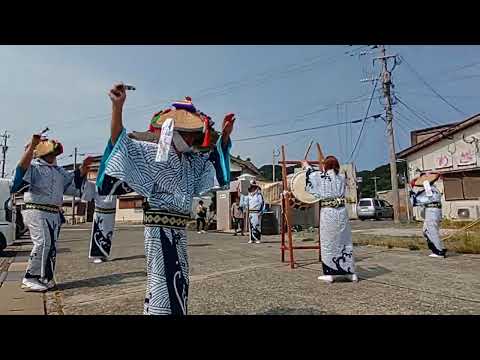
{"x":291,"y":311}
{"x":198,"y":245}
{"x":10,"y":254}
{"x":100,"y":281}
{"x":371,"y":271}
{"x":133,"y":257}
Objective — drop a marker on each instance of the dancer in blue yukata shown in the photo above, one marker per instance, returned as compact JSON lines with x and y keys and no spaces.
{"x":430,"y":198}
{"x":328,"y":185}
{"x":44,"y":183}
{"x":168,"y":173}
{"x":255,"y":204}
{"x":103,"y":226}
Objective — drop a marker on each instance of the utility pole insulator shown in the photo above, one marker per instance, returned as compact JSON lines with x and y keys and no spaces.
{"x":5,"y":137}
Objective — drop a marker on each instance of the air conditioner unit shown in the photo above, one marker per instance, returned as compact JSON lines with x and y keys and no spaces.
{"x":468,"y":212}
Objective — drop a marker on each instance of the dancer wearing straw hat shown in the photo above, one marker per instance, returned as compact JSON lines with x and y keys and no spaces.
{"x":256,"y":205}
{"x":44,"y":183}
{"x":184,"y":162}
{"x":430,"y":198}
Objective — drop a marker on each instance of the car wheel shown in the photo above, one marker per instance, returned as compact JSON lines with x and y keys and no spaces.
{"x":3,"y":242}
{"x":361,"y":219}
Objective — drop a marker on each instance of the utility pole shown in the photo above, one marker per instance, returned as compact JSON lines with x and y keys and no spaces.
{"x":274,"y":155}
{"x":375,"y":182}
{"x":273,"y":165}
{"x":387,"y":82}
{"x":407,"y":199}
{"x":73,"y":197}
{"x":5,"y":136}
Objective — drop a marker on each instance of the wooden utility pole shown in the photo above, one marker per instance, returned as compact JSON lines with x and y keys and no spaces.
{"x":273,"y":165}
{"x":375,"y":182}
{"x":73,"y":197}
{"x":5,"y":136}
{"x":274,"y":155}
{"x":387,"y":82}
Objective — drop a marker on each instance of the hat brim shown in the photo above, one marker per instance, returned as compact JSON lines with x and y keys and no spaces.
{"x":184,"y":120}
{"x":48,"y":147}
{"x":431,"y":178}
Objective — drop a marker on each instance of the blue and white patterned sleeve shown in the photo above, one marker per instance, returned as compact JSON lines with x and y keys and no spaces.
{"x":313,"y":182}
{"x":72,"y":182}
{"x":205,"y":176}
{"x":130,"y":162}
{"x":20,"y":181}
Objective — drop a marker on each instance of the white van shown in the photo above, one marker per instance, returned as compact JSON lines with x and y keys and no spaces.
{"x":7,"y":228}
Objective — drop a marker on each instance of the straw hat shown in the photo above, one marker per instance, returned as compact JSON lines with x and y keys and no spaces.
{"x":47,"y":147}
{"x":253,"y":185}
{"x":431,"y":177}
{"x":185,"y":115}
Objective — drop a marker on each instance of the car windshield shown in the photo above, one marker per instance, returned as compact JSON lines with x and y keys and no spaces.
{"x":365,"y":203}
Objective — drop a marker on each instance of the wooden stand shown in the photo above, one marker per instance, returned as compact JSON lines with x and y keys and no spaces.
{"x":286,"y":227}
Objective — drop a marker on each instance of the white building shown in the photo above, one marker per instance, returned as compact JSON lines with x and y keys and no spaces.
{"x":453,"y":150}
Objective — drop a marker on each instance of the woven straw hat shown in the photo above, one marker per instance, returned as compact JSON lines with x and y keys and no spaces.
{"x":431,"y":177}
{"x":47,"y":147}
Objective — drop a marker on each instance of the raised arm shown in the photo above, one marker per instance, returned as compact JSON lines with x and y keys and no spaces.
{"x":27,"y":156}
{"x":118,"y":95}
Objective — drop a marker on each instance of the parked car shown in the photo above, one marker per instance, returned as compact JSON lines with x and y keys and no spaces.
{"x":370,"y":208}
{"x":7,"y":224}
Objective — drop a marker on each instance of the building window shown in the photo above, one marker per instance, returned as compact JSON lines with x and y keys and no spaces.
{"x":471,"y":186}
{"x":130,"y":203}
{"x":462,"y":186}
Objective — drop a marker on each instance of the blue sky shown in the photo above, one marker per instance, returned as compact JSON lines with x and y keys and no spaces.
{"x":268,"y":87}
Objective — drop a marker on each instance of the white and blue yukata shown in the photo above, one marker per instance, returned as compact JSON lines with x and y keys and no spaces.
{"x":335,"y":232}
{"x":433,"y":217}
{"x":255,"y":204}
{"x":103,"y":221}
{"x":44,"y":185}
{"x":169,"y":187}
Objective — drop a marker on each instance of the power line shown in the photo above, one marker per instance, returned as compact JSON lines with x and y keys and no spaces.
{"x":408,"y":121}
{"x":400,"y":125}
{"x":424,"y":119}
{"x":223,"y":89}
{"x":306,"y":129}
{"x":416,"y":93}
{"x":363,"y":124}
{"x":304,"y":117}
{"x":431,"y":88}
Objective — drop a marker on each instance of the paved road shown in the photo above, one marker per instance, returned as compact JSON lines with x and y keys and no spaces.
{"x":229,"y":276}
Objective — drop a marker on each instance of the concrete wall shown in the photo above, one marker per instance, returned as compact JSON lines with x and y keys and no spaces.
{"x":129,"y":215}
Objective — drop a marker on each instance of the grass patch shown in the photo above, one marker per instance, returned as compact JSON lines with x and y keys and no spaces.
{"x":452,"y":224}
{"x":466,"y":243}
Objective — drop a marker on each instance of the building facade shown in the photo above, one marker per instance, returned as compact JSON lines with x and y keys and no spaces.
{"x":453,"y":151}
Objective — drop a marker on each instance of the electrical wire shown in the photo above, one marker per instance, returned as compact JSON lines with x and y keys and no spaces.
{"x":424,"y":119}
{"x":302,"y":130}
{"x":224,"y":90}
{"x":364,"y":122}
{"x":431,"y":88}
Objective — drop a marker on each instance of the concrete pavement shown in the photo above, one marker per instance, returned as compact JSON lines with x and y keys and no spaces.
{"x":13,"y":300}
{"x":229,"y":276}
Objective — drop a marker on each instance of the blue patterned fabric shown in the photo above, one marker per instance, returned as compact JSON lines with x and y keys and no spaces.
{"x":335,"y":231}
{"x":168,"y":186}
{"x":46,"y":183}
{"x":18,"y":182}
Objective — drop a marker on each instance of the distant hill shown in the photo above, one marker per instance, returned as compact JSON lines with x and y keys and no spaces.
{"x":367,"y":187}
{"x":266,"y":171}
